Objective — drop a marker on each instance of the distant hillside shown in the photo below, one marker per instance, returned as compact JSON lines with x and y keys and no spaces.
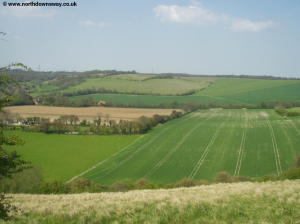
{"x":132,"y":89}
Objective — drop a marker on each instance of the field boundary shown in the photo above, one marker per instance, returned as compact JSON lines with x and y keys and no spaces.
{"x":171,"y":152}
{"x":206,"y":150}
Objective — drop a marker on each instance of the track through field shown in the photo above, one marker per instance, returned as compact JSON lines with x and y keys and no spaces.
{"x":203,"y":143}
{"x":131,"y":155}
{"x":275,"y":147}
{"x":204,"y":154}
{"x":172,"y":151}
{"x":242,"y":148}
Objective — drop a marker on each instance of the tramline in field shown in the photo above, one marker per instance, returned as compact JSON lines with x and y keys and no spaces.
{"x":201,"y":144}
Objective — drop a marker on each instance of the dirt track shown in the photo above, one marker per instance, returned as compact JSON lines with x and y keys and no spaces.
{"x":88,"y":113}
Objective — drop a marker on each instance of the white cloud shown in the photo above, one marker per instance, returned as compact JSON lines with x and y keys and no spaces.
{"x":185,"y":14}
{"x":93,"y":23}
{"x":28,"y":12}
{"x":198,"y":15}
{"x":251,"y":26}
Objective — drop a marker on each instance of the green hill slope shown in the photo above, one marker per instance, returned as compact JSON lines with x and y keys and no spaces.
{"x":242,"y":142}
{"x":221,"y":90}
{"x":154,"y":86}
{"x":63,"y":156}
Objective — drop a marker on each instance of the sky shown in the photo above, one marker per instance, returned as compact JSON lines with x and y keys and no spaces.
{"x":253,"y":37}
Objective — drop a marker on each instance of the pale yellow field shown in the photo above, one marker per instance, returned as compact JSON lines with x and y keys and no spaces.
{"x":269,"y":202}
{"x":88,"y":113}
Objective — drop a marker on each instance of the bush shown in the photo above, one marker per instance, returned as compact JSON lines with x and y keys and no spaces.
{"x":291,"y":174}
{"x":241,"y":179}
{"x":26,"y":181}
{"x":80,"y":185}
{"x":188,"y":182}
{"x":54,"y":187}
{"x":224,"y":177}
{"x":143,"y":184}
{"x":119,"y":186}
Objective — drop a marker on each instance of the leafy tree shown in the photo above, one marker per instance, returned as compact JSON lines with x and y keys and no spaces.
{"x":10,"y":161}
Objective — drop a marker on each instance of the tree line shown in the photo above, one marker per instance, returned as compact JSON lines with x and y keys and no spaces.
{"x":101,"y":125}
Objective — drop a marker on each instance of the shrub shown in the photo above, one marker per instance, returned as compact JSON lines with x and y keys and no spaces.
{"x":266,"y":178}
{"x":224,"y":177}
{"x":119,"y":186}
{"x":26,"y":181}
{"x":241,"y":179}
{"x":54,"y":187}
{"x":143,"y":184}
{"x":189,"y":182}
{"x":291,"y":174}
{"x":80,"y":185}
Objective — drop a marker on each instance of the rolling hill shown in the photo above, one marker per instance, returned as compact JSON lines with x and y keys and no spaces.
{"x":220,"y":90}
{"x":243,"y":142}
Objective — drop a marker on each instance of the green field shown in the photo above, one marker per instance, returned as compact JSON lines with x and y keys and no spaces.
{"x":62,"y":157}
{"x":254,"y":92}
{"x":243,"y":142}
{"x":151,"y":86}
{"x":222,"y":90}
{"x":150,"y":100}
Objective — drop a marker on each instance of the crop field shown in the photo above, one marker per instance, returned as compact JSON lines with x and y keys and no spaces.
{"x":221,"y":90}
{"x":62,"y":157}
{"x":150,"y":100}
{"x":153,"y":86}
{"x":201,"y":144}
{"x":253,"y":91}
{"x":269,"y":202}
{"x":88,"y":113}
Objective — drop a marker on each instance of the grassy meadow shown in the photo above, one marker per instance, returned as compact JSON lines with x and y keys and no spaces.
{"x":242,"y":142}
{"x":269,"y":202}
{"x":62,"y":157}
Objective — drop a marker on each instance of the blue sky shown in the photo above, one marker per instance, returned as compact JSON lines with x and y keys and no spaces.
{"x":258,"y":37}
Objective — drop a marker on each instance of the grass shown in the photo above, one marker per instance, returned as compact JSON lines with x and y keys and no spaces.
{"x":63,"y":156}
{"x":270,"y":202}
{"x":231,"y":86}
{"x":242,"y":142}
{"x":150,"y":86}
{"x":222,"y":90}
{"x":150,"y":100}
{"x":295,"y":109}
{"x":158,"y":91}
{"x":285,"y":93}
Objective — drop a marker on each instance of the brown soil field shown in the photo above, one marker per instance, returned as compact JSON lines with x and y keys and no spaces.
{"x":88,"y":113}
